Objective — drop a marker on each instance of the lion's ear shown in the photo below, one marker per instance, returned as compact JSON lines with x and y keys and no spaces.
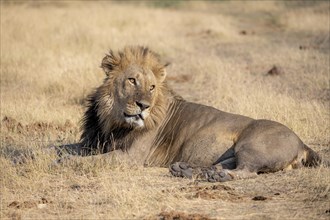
{"x":109,"y":62}
{"x":163,"y":73}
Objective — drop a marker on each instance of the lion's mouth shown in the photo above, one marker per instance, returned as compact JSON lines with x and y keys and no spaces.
{"x":136,"y":117}
{"x":136,"y":120}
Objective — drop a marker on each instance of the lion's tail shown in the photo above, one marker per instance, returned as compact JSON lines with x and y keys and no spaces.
{"x":313,"y":159}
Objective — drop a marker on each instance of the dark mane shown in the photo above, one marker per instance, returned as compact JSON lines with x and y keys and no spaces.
{"x":101,"y":131}
{"x":93,"y":140}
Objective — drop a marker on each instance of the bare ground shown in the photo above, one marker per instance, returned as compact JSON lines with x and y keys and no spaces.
{"x":265,"y":60}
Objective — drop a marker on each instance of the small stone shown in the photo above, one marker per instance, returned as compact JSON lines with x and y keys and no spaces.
{"x":274,"y":71}
{"x":259,"y":198}
{"x":14,"y":204}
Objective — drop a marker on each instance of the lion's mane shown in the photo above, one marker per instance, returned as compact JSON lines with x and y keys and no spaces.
{"x":102,"y":131}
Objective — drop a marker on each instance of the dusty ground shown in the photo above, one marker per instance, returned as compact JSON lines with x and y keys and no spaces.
{"x":223,"y":54}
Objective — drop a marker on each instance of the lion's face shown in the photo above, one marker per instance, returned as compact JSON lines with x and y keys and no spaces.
{"x":131,"y":93}
{"x":135,"y":95}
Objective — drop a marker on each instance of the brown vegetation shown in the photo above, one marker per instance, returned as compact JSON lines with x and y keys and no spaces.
{"x":221,"y":54}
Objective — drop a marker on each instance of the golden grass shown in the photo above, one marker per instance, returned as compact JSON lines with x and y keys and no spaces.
{"x":220,"y":54}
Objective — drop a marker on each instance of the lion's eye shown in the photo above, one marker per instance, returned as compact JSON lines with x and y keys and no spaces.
{"x":132,"y":80}
{"x":152,"y":87}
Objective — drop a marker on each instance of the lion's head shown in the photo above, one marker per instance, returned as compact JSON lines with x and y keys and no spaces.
{"x":131,"y":95}
{"x":133,"y":99}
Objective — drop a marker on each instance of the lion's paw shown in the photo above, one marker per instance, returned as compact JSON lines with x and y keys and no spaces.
{"x":181,"y":169}
{"x":218,"y":176}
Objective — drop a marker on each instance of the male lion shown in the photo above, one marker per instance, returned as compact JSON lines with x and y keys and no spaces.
{"x":135,"y":115}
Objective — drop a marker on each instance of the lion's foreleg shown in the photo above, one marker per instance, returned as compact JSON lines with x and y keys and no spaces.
{"x":226,"y":175}
{"x":71,"y":149}
{"x":116,"y":155}
{"x":113,"y":157}
{"x":210,"y":174}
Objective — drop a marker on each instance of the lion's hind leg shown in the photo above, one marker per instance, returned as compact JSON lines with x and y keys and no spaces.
{"x":227,"y":160}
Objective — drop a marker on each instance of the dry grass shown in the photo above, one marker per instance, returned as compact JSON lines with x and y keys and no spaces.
{"x":220,"y":53}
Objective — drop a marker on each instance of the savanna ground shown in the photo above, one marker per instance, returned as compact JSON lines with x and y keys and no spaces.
{"x":221,"y":55}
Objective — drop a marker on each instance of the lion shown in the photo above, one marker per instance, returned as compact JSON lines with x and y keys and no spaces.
{"x":136,"y":116}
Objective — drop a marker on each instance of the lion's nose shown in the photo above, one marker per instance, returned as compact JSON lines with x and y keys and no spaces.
{"x":143,"y":105}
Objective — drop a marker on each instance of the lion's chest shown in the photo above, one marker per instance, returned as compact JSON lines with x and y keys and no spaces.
{"x":141,"y":147}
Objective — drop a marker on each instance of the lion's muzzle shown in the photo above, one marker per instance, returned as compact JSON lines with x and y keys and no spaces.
{"x":136,"y":120}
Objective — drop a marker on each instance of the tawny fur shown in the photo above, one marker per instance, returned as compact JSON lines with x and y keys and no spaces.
{"x":176,"y":130}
